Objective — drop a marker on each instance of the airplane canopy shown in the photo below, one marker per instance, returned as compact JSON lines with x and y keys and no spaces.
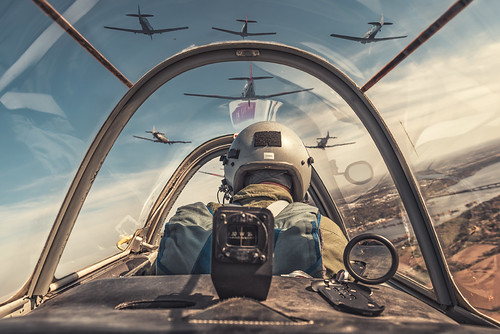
{"x":415,"y":156}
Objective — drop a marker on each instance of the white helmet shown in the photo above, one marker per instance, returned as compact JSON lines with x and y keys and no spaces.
{"x":268,"y":146}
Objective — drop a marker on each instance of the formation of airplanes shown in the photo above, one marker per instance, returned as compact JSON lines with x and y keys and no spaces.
{"x":248,"y":92}
{"x":161,"y":138}
{"x":369,"y":36}
{"x":146,"y":27}
{"x":322,"y":142}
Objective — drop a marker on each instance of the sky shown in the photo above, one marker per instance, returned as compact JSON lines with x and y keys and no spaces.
{"x":54,"y":96}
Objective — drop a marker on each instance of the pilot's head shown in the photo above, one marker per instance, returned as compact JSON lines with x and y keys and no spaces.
{"x":268,"y":152}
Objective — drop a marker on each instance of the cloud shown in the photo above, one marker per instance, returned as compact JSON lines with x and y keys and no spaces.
{"x":452,"y":128}
{"x":444,"y":97}
{"x":24,"y":218}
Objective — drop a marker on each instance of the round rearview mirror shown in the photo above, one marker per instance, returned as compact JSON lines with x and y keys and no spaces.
{"x":370,"y":258}
{"x":359,"y":172}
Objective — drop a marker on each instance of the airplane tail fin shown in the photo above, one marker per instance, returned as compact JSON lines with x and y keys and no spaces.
{"x":381,"y":22}
{"x":139,"y":13}
{"x":329,"y":137}
{"x":151,"y":131}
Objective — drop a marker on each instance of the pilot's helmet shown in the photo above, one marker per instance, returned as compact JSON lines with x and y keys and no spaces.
{"x":268,"y":146}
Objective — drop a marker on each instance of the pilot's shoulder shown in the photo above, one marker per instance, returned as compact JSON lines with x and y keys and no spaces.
{"x":326,"y":225}
{"x":192,"y":207}
{"x":193,"y":213}
{"x":329,"y":229}
{"x":302,"y":207}
{"x":212,"y":206}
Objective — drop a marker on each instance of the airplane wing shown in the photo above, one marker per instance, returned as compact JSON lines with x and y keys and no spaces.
{"x":159,"y":31}
{"x":216,"y":96}
{"x":260,"y":33}
{"x":361,"y":39}
{"x":175,"y":142}
{"x":146,"y":139}
{"x":342,"y":144}
{"x":352,"y":38}
{"x":135,"y":31}
{"x":244,"y":98}
{"x":334,"y":145}
{"x":280,"y":94}
{"x":386,"y":38}
{"x":229,"y":31}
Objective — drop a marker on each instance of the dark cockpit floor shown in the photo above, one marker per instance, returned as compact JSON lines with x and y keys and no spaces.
{"x":153,"y":304}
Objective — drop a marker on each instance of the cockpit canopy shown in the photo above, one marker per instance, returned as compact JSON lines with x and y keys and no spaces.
{"x":118,"y":113}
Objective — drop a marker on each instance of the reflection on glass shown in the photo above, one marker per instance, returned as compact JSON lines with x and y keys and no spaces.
{"x":361,"y":184}
{"x":442,"y":106}
{"x":372,"y":259}
{"x":379,"y":210}
{"x":46,"y":123}
{"x":359,"y":172}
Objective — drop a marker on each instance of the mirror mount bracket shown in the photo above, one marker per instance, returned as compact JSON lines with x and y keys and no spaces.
{"x":348,"y":296}
{"x":353,"y":297}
